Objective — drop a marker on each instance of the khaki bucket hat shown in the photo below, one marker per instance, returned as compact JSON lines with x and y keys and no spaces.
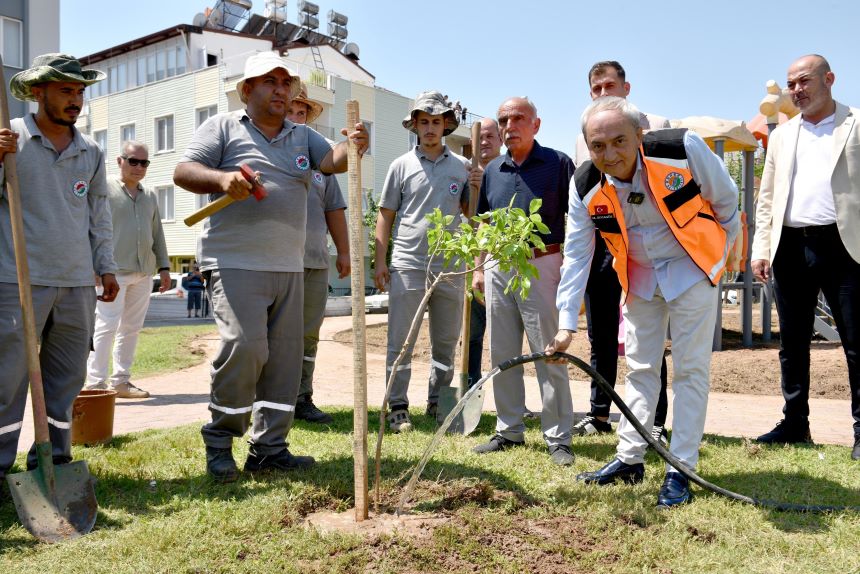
{"x":51,"y":68}
{"x":434,"y":104}
{"x":314,"y":108}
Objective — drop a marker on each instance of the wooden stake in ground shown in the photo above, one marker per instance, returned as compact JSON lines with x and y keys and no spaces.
{"x":357,"y":237}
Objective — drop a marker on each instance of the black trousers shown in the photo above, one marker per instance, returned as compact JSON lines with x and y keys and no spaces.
{"x":809,"y":260}
{"x":602,"y":297}
{"x":477,"y":326}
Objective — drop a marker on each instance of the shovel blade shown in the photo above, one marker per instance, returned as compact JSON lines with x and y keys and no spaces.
{"x":51,"y":514}
{"x":467,"y":420}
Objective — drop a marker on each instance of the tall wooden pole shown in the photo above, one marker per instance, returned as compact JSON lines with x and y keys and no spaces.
{"x":357,"y":239}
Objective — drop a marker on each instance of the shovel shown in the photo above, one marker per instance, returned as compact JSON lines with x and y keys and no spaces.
{"x":467,"y":420}
{"x":53,"y":502}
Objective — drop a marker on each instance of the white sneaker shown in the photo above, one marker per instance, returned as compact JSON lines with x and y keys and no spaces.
{"x":129,"y":391}
{"x":658,"y":433}
{"x":100,"y":386}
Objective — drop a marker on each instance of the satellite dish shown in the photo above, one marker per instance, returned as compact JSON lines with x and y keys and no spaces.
{"x":351,"y":49}
{"x":199,"y":20}
{"x":215,"y":18}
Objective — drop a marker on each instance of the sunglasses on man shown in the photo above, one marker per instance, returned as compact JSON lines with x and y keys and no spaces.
{"x":134,"y":162}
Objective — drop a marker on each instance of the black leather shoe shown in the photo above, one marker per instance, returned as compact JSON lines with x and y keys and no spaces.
{"x":614,"y":470}
{"x":308,"y":411}
{"x":788,"y":432}
{"x":283,"y":461}
{"x":220,"y":464}
{"x":496,"y":444}
{"x":855,"y":454}
{"x":675,"y":491}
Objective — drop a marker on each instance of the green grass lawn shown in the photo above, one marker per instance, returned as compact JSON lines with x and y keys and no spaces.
{"x":168,"y":349}
{"x":506,"y":512}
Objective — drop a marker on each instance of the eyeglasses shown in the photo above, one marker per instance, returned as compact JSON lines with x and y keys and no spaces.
{"x":134,"y":162}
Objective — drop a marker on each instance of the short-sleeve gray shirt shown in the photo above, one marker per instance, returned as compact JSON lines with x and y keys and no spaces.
{"x":324,"y":196}
{"x":64,"y":203}
{"x":268,"y":235}
{"x":414,"y":186}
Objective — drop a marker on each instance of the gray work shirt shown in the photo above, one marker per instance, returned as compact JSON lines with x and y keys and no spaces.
{"x":64,"y":203}
{"x":138,"y":238}
{"x":324,"y":196}
{"x":414,"y":186}
{"x":268,"y":235}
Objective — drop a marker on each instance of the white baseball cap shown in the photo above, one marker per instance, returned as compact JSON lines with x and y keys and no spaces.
{"x":261,"y":64}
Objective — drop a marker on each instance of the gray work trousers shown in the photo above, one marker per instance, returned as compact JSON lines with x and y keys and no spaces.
{"x":64,"y":318}
{"x":508,"y":317}
{"x":316,"y":294}
{"x":446,"y":312}
{"x":255,"y":376}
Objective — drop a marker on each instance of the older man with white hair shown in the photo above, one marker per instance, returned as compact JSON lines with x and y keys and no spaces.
{"x":668,"y":211}
{"x":252,"y":255}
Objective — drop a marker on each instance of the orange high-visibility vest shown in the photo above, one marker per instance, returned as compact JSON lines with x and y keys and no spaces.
{"x":677,"y":196}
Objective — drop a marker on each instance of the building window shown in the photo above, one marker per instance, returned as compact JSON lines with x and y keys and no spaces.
{"x":101,"y":139}
{"x":112,"y":75}
{"x":150,"y":68}
{"x":181,"y":57}
{"x":164,"y":134}
{"x":204,"y":114}
{"x":200,"y":200}
{"x":126,"y":134}
{"x":141,"y":70}
{"x":12,"y":42}
{"x":171,"y":63}
{"x":369,"y":127}
{"x":122,"y":77}
{"x":165,"y":202}
{"x":160,"y":65}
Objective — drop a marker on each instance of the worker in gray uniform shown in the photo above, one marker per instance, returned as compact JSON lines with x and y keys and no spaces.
{"x":422,"y":179}
{"x":67,"y":225}
{"x":252,"y":254}
{"x":326,"y":208}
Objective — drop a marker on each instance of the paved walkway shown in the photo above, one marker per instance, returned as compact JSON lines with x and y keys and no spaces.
{"x":182,"y":397}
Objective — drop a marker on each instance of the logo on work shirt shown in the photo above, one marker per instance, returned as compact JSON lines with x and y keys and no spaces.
{"x":454,"y":188}
{"x":601,"y":209}
{"x":674,"y":181}
{"x":318,"y":177}
{"x":302,"y":162}
{"x":80,"y":188}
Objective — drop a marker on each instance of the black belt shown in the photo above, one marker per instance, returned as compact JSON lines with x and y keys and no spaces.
{"x":811,"y":230}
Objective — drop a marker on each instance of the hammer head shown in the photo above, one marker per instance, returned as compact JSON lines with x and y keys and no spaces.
{"x":258,"y":191}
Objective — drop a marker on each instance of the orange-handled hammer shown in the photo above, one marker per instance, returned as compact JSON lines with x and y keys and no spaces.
{"x":258,"y":191}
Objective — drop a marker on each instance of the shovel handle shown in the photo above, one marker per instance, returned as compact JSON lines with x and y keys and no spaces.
{"x":37,"y":393}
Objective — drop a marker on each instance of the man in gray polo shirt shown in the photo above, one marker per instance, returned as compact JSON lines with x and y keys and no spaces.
{"x":139,"y":249}
{"x":326,"y":208}
{"x":253,"y":256}
{"x":420,"y":180}
{"x":67,"y":225}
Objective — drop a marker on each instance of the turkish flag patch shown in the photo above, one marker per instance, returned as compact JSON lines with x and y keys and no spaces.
{"x":601,"y":209}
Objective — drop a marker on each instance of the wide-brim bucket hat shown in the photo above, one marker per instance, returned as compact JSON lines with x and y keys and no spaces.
{"x":51,"y":68}
{"x":314,"y":108}
{"x":434,"y":104}
{"x":261,"y":64}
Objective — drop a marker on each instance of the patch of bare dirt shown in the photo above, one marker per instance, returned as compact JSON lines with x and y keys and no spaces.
{"x":735,"y":369}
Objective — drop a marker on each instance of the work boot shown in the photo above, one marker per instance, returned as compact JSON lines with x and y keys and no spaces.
{"x":855,"y":453}
{"x":788,"y":432}
{"x":220,"y":464}
{"x":398,"y":421}
{"x":306,"y":410}
{"x":283,"y":461}
{"x":496,"y":444}
{"x":561,"y":455}
{"x":432,"y":410}
{"x":129,"y":391}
